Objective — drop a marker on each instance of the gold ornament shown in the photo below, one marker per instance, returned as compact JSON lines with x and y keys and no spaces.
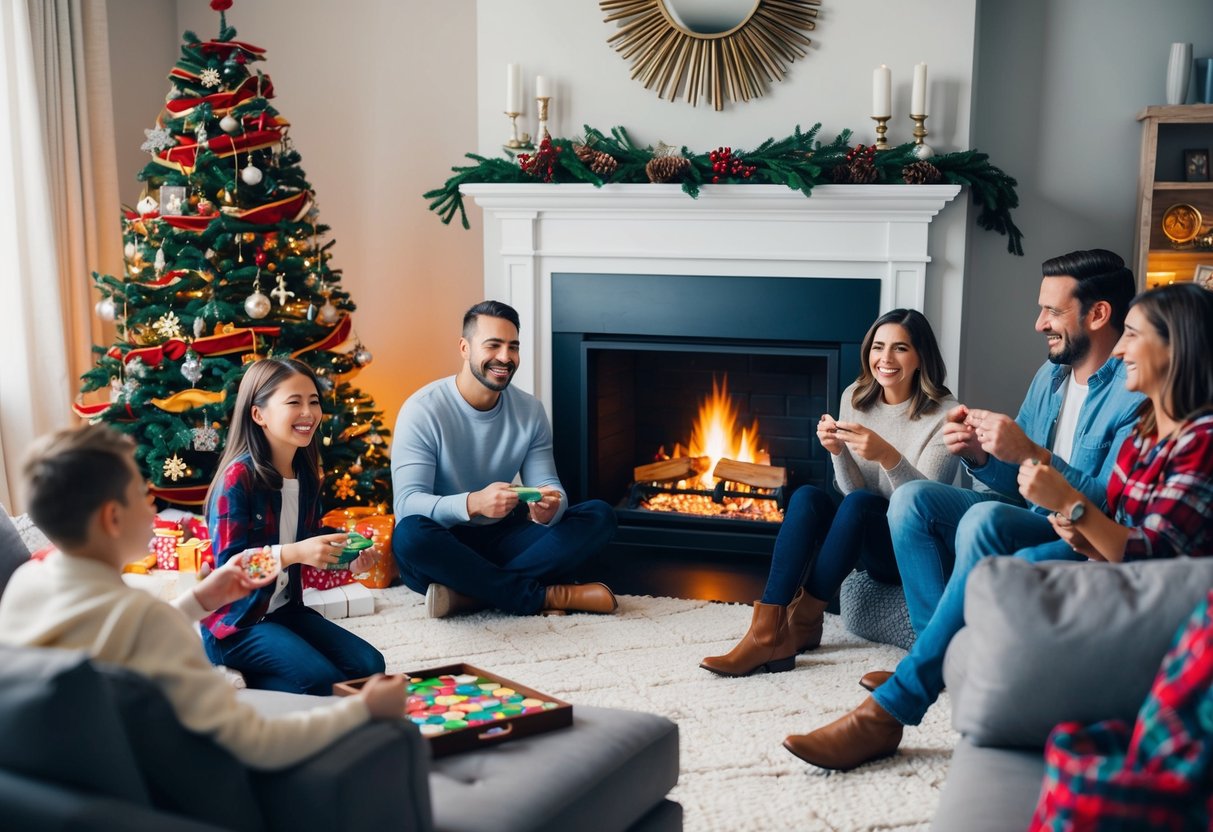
{"x":345,"y":487}
{"x":174,"y":468}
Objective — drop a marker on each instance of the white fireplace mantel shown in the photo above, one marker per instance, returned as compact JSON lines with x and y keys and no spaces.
{"x":876,"y":232}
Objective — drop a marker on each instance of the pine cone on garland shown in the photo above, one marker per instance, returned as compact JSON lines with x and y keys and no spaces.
{"x":841,"y":174}
{"x":667,"y":168}
{"x":603,"y":164}
{"x":863,"y":171}
{"x":921,"y":173}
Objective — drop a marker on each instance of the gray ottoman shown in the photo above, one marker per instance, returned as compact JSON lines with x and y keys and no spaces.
{"x":875,"y":611}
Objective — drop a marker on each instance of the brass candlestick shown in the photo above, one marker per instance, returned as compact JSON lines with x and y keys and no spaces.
{"x":542,"y":131}
{"x":922,"y":150}
{"x":515,"y":142}
{"x":882,"y":127}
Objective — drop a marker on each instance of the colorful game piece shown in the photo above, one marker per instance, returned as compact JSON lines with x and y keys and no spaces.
{"x":527,"y":494}
{"x":443,"y":704}
{"x":354,"y":545}
{"x":259,"y":563}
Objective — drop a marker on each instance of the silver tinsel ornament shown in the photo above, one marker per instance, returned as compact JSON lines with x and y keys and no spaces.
{"x":199,"y":326}
{"x":362,"y":356}
{"x":191,"y":367}
{"x":257,"y":305}
{"x":206,"y":438}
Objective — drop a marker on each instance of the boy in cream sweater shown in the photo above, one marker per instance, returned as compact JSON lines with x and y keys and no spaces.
{"x":87,"y":496}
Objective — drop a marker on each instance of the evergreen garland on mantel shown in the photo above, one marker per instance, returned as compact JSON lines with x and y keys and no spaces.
{"x":797,"y":161}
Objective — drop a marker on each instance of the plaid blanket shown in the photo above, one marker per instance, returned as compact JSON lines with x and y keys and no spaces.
{"x":1154,"y":776}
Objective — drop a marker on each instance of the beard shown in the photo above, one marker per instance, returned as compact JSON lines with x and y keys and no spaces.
{"x":1071,"y":349}
{"x":481,"y":374}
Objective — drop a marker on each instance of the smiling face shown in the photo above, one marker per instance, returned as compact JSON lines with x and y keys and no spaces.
{"x":1061,"y":320}
{"x":291,"y":414}
{"x":893,"y":362}
{"x":1146,"y":355}
{"x":491,"y":352}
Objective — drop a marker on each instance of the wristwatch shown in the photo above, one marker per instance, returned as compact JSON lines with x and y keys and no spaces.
{"x":1076,"y":512}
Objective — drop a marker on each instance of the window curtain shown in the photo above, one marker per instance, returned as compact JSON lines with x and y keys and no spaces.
{"x":58,"y":213}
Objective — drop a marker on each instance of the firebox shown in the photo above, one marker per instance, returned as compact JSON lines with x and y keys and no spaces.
{"x":634,"y":360}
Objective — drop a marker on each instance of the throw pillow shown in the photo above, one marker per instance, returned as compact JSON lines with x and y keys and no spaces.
{"x":1054,"y":642}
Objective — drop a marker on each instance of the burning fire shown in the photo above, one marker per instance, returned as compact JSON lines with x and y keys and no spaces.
{"x":715,"y":435}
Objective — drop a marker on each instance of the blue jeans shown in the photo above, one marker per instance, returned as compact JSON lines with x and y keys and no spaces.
{"x":508,"y":564}
{"x":988,"y":529}
{"x":923,"y":517}
{"x":856,"y":530}
{"x":295,"y":649}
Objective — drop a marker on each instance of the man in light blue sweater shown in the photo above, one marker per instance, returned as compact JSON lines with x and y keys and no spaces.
{"x":465,"y":536}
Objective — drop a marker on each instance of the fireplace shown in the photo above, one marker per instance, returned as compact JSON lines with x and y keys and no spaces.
{"x":634,"y":297}
{"x":633,"y":356}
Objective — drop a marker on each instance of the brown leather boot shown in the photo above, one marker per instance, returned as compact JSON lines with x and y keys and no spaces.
{"x":442,"y":602}
{"x":593,"y":597}
{"x":806,"y":616}
{"x":768,"y":643}
{"x":867,"y":733}
{"x":874,"y":679}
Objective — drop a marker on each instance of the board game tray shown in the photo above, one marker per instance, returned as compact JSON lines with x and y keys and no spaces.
{"x":439,"y":696}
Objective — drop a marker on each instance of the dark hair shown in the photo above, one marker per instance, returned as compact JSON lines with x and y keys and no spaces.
{"x":261,"y":379}
{"x":492,"y":308}
{"x":71,"y":473}
{"x":928,"y":389}
{"x":1101,"y":275}
{"x":1182,"y":314}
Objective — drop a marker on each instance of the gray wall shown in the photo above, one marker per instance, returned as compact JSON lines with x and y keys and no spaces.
{"x":1057,"y":87}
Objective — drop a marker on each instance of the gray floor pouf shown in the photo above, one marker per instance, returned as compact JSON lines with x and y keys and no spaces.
{"x":875,"y":611}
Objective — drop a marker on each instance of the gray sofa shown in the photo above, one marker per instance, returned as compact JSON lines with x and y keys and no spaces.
{"x":1044,"y":644}
{"x":87,"y":746}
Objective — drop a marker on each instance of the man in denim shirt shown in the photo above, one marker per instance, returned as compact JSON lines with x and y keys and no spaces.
{"x":1075,"y":416}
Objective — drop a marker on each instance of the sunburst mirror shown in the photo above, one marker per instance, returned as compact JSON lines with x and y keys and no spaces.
{"x":675,"y":45}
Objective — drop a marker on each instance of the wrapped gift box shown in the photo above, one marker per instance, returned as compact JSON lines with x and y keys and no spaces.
{"x":377,"y":527}
{"x":458,"y":707}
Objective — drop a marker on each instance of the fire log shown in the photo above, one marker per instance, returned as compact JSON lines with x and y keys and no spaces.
{"x":757,"y":476}
{"x":668,"y":470}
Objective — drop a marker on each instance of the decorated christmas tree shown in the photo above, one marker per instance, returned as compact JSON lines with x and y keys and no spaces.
{"x":226,"y":262}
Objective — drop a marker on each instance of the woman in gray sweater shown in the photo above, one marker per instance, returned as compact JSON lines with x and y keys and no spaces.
{"x":888,"y":432}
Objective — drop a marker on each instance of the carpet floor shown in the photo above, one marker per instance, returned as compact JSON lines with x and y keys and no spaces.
{"x":736,"y":774}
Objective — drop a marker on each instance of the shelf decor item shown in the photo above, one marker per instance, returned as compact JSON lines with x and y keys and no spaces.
{"x":1203,"y":276}
{"x":1196,"y":165}
{"x":1179,"y":73}
{"x":1182,"y":223}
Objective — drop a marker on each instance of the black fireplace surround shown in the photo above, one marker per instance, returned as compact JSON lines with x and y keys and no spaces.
{"x":634,"y":355}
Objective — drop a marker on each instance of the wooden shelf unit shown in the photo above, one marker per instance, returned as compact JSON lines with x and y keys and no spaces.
{"x":1154,"y":254}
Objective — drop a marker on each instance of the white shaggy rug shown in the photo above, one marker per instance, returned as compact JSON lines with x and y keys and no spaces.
{"x":736,"y":774}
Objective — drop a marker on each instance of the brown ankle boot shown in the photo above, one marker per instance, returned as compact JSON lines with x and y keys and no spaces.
{"x":806,"y":616}
{"x":874,"y":679}
{"x":595,"y":597}
{"x":768,"y":643}
{"x":867,"y":733}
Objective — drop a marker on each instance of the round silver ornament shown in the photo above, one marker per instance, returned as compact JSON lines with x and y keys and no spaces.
{"x":106,"y":310}
{"x":191,"y":367}
{"x":329,"y":313}
{"x":250,"y":175}
{"x":228,"y":124}
{"x":257,"y":305}
{"x":129,"y":250}
{"x":363,"y":357}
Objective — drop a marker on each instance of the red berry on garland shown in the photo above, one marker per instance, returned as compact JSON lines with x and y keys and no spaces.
{"x":260,"y":258}
{"x":715,"y":179}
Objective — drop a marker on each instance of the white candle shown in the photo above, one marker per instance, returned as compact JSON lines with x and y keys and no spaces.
{"x":918,"y":98}
{"x":513,"y":88}
{"x":542,"y":90}
{"x":882,"y":91}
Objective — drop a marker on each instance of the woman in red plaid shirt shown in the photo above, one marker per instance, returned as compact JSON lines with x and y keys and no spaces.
{"x":1161,"y":490}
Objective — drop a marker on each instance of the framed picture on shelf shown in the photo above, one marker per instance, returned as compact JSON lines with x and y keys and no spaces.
{"x":1203,"y":276}
{"x":1196,"y":165}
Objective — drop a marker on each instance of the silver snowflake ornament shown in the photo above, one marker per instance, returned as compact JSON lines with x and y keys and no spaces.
{"x":209,"y":77}
{"x":158,"y":138}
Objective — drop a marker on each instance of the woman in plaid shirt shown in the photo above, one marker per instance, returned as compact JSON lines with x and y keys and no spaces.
{"x":1161,"y":489}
